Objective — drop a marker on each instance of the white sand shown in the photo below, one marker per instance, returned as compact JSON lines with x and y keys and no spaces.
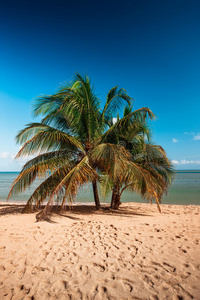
{"x":135,"y":253}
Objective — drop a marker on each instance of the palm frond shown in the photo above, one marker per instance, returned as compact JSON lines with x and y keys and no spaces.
{"x":47,"y":104}
{"x":109,"y":158}
{"x":136,"y":118}
{"x":38,"y":167}
{"x":105,"y":184}
{"x":45,"y":138}
{"x":45,"y":189}
{"x":116,"y":100}
{"x":79,"y":175}
{"x":46,"y":156}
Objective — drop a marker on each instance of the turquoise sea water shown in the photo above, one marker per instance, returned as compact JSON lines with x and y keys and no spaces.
{"x":184,"y":190}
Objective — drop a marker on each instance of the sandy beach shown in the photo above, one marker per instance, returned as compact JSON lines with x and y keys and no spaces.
{"x":133,"y":253}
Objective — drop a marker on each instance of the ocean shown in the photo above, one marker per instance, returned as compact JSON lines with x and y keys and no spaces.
{"x":184,"y":190}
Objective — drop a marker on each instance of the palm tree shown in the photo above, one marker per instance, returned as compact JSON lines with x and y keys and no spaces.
{"x":71,"y":128}
{"x":147,"y":171}
{"x":75,"y":141}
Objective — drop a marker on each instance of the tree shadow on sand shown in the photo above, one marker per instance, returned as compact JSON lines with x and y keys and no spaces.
{"x":9,"y":209}
{"x":73,"y":212}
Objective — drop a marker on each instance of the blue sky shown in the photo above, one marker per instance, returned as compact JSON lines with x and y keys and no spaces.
{"x":150,"y":48}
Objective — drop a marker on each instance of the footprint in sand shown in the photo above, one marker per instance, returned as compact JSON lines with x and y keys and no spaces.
{"x":128,"y":286}
{"x":148,"y":280}
{"x":182,"y":250}
{"x":99,"y":267}
{"x":83,"y":269}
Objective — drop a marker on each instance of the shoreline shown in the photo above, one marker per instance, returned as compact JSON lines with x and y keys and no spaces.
{"x":102,"y":203}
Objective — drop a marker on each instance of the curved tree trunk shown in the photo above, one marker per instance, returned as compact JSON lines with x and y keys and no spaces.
{"x":28,"y":208}
{"x":96,"y":195}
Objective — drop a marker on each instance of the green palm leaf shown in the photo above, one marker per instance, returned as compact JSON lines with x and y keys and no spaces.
{"x":45,"y":138}
{"x":137,"y":117}
{"x":116,"y":100}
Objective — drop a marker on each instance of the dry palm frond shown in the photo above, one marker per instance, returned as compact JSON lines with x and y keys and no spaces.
{"x":40,"y":169}
{"x":109,"y":158}
{"x":77,"y":176}
{"x":45,"y":189}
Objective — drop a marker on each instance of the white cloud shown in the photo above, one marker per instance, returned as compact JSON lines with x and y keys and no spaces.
{"x":7,"y":155}
{"x":189,"y":133}
{"x":196,"y":137}
{"x":4,"y":154}
{"x":175,"y":162}
{"x":185,"y":162}
{"x":9,"y":163}
{"x":114,"y":120}
{"x":174,"y":140}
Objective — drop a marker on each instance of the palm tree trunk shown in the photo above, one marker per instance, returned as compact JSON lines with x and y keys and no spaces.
{"x":112,"y":204}
{"x":115,"y":201}
{"x":96,"y":195}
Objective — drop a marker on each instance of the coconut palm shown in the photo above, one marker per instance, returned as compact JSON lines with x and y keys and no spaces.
{"x":73,"y":142}
{"x":148,"y":170}
{"x":71,"y":127}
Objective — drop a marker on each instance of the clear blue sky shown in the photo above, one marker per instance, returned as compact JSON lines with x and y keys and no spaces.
{"x":150,"y":48}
